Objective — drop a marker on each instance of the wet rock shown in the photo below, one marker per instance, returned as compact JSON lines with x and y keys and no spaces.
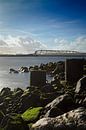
{"x":5,"y":92}
{"x":36,"y":67}
{"x":59,"y":106}
{"x":32,"y":114}
{"x":59,"y":68}
{"x":84,"y":102}
{"x":17,"y":92}
{"x":48,"y":88}
{"x":13,"y":121}
{"x":24,"y":69}
{"x":13,"y":71}
{"x":1,"y":116}
{"x":29,"y":99}
{"x":81,"y":85}
{"x":72,"y":120}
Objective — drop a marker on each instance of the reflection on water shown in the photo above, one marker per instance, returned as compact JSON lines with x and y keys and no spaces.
{"x":14,"y":80}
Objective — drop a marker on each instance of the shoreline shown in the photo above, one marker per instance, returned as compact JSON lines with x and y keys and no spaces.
{"x":46,"y":104}
{"x":44,"y":55}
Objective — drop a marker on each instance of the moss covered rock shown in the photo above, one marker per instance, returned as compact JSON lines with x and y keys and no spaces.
{"x":31,"y":114}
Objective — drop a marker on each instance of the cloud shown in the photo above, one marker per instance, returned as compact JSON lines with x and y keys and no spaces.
{"x":2,"y":43}
{"x":18,"y":45}
{"x":78,"y":44}
{"x":24,"y":45}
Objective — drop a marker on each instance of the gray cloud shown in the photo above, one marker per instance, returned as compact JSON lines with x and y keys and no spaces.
{"x":2,"y":43}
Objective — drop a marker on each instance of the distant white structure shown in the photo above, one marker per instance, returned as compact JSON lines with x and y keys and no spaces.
{"x":55,"y":52}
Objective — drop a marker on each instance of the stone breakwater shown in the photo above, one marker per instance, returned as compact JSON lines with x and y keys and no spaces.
{"x":54,"y":106}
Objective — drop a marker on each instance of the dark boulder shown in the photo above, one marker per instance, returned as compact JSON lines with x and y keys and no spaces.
{"x":59,"y":68}
{"x":13,"y":71}
{"x":59,"y":106}
{"x":5,"y":91}
{"x":81,"y":85}
{"x":24,"y":69}
{"x":13,"y":121}
{"x":29,"y":99}
{"x":48,"y":88}
{"x":1,"y":116}
{"x":17,"y":92}
{"x":84,"y":102}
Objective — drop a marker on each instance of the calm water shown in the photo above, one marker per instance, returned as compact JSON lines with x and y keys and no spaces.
{"x":21,"y":79}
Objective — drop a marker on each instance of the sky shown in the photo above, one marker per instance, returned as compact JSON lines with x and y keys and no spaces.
{"x":29,"y":25}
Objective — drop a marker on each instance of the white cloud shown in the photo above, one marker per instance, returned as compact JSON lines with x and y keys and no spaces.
{"x":78,"y":44}
{"x":17,"y":45}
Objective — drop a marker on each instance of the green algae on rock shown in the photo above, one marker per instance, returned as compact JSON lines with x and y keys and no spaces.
{"x":31,"y":114}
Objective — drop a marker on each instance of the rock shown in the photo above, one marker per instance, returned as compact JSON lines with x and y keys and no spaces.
{"x":1,"y":116}
{"x":84,"y":102}
{"x":18,"y":89}
{"x":13,"y":121}
{"x":29,"y":100}
{"x":17,"y":92}
{"x":59,"y":68}
{"x":24,"y":69}
{"x":72,"y":120}
{"x":48,"y":88}
{"x":55,"y":80}
{"x":5,"y":91}
{"x":36,"y":67}
{"x":58,"y":105}
{"x":13,"y":71}
{"x":32,"y":114}
{"x":31,"y":68}
{"x":3,"y":106}
{"x":81,"y":85}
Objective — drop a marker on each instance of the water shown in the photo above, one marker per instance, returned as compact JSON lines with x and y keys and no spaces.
{"x":22,"y":79}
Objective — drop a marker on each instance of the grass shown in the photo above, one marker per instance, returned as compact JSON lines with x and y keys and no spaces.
{"x":31,"y":114}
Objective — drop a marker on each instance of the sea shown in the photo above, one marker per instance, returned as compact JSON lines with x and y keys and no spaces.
{"x":22,"y":80}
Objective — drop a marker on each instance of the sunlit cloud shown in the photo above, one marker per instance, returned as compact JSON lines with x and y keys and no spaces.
{"x":78,"y":44}
{"x":19,"y":45}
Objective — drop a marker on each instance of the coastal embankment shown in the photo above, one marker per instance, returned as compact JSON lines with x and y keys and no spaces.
{"x":55,"y":105}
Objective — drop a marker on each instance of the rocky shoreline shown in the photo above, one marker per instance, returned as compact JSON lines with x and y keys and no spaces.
{"x":55,"y":106}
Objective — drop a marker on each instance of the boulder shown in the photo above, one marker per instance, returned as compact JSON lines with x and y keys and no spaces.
{"x":1,"y":116}
{"x":59,"y":68}
{"x":5,"y":91}
{"x":81,"y":85}
{"x":17,"y":93}
{"x":84,"y":102}
{"x":29,"y":100}
{"x":48,"y":88}
{"x":32,"y":114}
{"x":72,"y":120}
{"x":24,"y":69}
{"x":55,"y":80}
{"x":13,"y":71}
{"x":13,"y":121}
{"x":59,"y":106}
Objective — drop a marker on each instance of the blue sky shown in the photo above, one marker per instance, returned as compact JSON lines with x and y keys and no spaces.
{"x":42,"y":24}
